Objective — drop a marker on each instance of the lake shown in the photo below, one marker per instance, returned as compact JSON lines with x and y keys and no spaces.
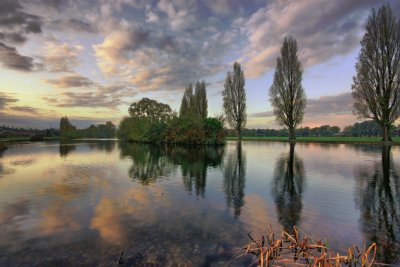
{"x":83,"y":203}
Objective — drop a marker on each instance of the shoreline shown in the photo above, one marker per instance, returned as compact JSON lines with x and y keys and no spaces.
{"x":322,"y":140}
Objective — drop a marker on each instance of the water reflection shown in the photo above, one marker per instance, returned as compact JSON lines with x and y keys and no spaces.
{"x":379,"y":201}
{"x":66,"y":149}
{"x":235,"y":179}
{"x":107,"y":146}
{"x":194,"y":162}
{"x":289,"y":176}
{"x":149,"y":162}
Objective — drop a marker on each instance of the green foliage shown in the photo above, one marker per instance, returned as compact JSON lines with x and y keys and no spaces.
{"x":150,"y":109}
{"x":66,"y":128}
{"x":68,"y":131}
{"x":375,"y":86}
{"x":286,"y":94}
{"x":234,"y":99}
{"x":134,"y":129}
{"x":194,"y":104}
{"x":189,"y":128}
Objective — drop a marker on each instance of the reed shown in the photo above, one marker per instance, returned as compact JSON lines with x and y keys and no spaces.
{"x":298,"y":249}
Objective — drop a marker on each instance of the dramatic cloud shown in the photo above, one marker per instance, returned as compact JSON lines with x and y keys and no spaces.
{"x":5,"y":100}
{"x":336,"y":104}
{"x":323,"y":30}
{"x":88,"y":99}
{"x":11,"y":59}
{"x":26,"y":109}
{"x":334,"y":110}
{"x":73,"y":25}
{"x":71,"y":82}
{"x":43,"y":122}
{"x":60,"y":57}
{"x":12,"y":17}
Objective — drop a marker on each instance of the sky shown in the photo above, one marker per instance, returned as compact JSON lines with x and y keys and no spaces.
{"x":89,"y":60}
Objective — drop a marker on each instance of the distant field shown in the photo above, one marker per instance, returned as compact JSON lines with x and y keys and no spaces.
{"x":320,"y":139}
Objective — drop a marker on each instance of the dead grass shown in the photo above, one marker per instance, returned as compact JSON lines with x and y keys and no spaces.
{"x":298,"y":249}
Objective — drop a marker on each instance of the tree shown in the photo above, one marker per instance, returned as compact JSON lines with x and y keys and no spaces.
{"x":234,"y":99}
{"x":376,"y":86}
{"x":194,"y":104}
{"x":287,"y":95}
{"x":200,"y":96}
{"x":66,"y":127}
{"x":186,"y":103}
{"x":150,"y":109}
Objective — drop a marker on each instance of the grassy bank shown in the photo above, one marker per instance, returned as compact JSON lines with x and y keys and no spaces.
{"x":338,"y":139}
{"x":23,"y":138}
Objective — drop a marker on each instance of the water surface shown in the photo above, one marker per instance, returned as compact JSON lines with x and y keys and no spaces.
{"x":83,"y":203}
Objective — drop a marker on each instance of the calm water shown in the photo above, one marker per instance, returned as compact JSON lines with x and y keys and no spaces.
{"x":83,"y":203}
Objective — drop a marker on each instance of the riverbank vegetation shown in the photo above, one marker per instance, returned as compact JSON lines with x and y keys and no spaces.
{"x":69,"y":131}
{"x":301,"y":250}
{"x":155,"y":122}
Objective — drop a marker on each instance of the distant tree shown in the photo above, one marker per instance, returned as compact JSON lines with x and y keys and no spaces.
{"x":194,"y":103}
{"x":376,"y":86}
{"x":287,"y":95}
{"x":187,"y":102}
{"x":200,"y":96}
{"x":150,"y":109}
{"x":234,"y":99}
{"x":65,"y":126}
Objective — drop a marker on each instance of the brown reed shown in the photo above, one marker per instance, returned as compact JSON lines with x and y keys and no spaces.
{"x":298,"y":249}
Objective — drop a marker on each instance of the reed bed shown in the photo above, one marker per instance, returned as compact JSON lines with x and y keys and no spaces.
{"x":298,"y":249}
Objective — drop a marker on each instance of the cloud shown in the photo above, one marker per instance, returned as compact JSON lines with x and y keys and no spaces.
{"x":334,"y":29}
{"x":334,"y":104}
{"x":61,"y":57}
{"x":5,"y":100}
{"x":73,"y":24}
{"x":261,"y":114}
{"x":43,"y":122}
{"x":13,"y":18}
{"x":332,"y":109}
{"x":153,"y":59}
{"x":72,"y":81}
{"x":11,"y":59}
{"x":88,"y":99}
{"x":25,"y":109}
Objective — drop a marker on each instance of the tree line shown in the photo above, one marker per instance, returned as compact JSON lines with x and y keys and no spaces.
{"x":375,"y":88}
{"x":367,"y":128}
{"x":69,"y":131}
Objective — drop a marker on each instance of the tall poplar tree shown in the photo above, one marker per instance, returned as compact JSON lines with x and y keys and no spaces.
{"x":376,"y":86}
{"x":286,"y":94}
{"x":234,"y":99}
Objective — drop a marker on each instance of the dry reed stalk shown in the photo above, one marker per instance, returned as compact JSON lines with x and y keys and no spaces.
{"x":300,"y":249}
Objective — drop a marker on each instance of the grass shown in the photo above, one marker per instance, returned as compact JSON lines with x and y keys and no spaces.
{"x":325,"y":139}
{"x":301,"y":250}
{"x":23,"y":138}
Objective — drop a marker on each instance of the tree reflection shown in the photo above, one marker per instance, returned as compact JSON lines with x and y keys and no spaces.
{"x":107,"y":146}
{"x":149,"y":162}
{"x":287,"y":189}
{"x":379,"y":201}
{"x":235,"y":179}
{"x":66,"y":149}
{"x":194,"y":162}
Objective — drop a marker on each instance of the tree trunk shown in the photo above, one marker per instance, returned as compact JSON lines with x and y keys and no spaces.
{"x":239,"y":132}
{"x":292,"y":135}
{"x":386,"y":133}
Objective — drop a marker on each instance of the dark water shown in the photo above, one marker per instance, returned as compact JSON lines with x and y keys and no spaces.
{"x":83,"y":203}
